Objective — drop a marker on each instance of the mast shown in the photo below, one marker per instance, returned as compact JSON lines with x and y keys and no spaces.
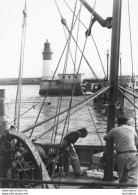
{"x":115,"y":23}
{"x":114,"y":64}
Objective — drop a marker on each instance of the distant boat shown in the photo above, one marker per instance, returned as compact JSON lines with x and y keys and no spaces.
{"x":67,"y":84}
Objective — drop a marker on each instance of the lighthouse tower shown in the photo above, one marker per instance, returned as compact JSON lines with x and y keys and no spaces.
{"x":47,"y":61}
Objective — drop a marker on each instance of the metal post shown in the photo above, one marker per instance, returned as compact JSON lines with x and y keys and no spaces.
{"x":114,"y":63}
{"x":3,"y":117}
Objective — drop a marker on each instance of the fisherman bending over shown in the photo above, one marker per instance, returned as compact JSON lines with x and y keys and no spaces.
{"x":68,"y":147}
{"x":125,"y":138}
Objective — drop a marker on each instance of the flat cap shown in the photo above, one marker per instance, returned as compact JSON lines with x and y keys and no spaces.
{"x":122,"y":120}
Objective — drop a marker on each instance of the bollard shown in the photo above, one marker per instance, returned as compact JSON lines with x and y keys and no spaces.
{"x":3,"y":116}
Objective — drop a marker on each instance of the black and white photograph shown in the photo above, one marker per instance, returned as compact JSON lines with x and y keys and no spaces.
{"x":68,"y":96}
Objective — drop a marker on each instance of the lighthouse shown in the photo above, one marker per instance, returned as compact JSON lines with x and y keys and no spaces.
{"x":52,"y":86}
{"x":47,"y":61}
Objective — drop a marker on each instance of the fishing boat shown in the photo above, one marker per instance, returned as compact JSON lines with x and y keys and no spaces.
{"x":25,"y":161}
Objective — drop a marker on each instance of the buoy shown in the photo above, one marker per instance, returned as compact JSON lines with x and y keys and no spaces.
{"x":49,"y":103}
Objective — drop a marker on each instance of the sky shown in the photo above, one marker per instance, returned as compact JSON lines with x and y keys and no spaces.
{"x":43,"y":23}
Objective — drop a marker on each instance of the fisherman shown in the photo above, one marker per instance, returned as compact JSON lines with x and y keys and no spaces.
{"x":68,"y":148}
{"x":125,"y":139}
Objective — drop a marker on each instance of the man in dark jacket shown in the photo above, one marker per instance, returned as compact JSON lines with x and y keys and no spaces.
{"x":68,"y":147}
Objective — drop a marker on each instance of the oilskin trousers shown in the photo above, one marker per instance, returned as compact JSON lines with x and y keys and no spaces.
{"x":74,"y":159}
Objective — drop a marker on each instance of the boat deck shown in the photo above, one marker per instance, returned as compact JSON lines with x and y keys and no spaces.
{"x":95,"y":181}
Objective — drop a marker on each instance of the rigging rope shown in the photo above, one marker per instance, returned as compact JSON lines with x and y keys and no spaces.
{"x":129,"y":92}
{"x":65,"y":67}
{"x":72,"y":94}
{"x":64,"y":72}
{"x":83,"y":55}
{"x":68,"y":116}
{"x":87,"y":104}
{"x":19,"y":88}
{"x":86,"y":101}
{"x":127,"y":98}
{"x":38,"y":103}
{"x":94,"y":44}
{"x":73,"y":89}
{"x":48,"y":88}
{"x":50,"y":85}
{"x":132,"y":62}
{"x":96,"y":129}
{"x":64,"y":22}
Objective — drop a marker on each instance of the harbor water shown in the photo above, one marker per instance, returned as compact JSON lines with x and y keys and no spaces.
{"x":89,"y":116}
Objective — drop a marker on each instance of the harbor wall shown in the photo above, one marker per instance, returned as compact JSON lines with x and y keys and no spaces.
{"x":25,"y":81}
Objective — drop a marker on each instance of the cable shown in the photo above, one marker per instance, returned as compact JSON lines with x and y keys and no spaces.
{"x":132,"y":62}
{"x":19,"y":88}
{"x":86,"y":101}
{"x":50,"y":85}
{"x":94,"y":44}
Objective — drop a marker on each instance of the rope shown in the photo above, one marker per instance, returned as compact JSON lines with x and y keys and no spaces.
{"x":128,"y":99}
{"x":75,"y":58}
{"x":68,"y":115}
{"x":94,"y":74}
{"x":94,"y":44}
{"x":74,"y":83}
{"x":71,"y":99}
{"x":87,"y":105}
{"x":40,"y":122}
{"x":64,"y":72}
{"x":65,"y":67}
{"x":96,"y":129}
{"x":19,"y":88}
{"x":64,"y":22}
{"x":129,"y":92}
{"x":132,"y":62}
{"x":70,"y":53}
{"x":49,"y":85}
{"x":77,"y":35}
{"x":85,"y":101}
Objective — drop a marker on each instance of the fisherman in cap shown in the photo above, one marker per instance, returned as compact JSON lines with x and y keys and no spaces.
{"x":125,"y":139}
